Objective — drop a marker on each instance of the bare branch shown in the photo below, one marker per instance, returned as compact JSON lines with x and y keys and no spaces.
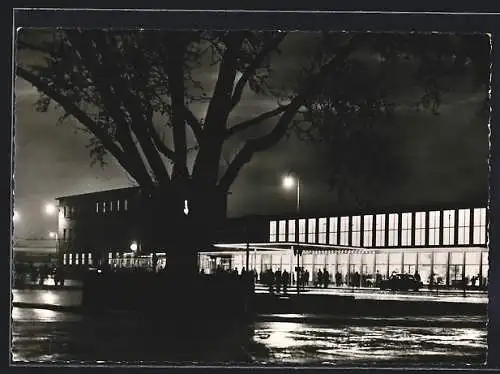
{"x":71,"y":108}
{"x":220,"y":105}
{"x":242,"y":126}
{"x":194,"y":124}
{"x":167,"y":152}
{"x":265,"y":142}
{"x":135,"y":109}
{"x":252,"y":68}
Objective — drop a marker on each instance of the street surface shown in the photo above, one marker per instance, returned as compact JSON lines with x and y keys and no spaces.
{"x":64,"y":297}
{"x":451,"y":296}
{"x":56,"y":337}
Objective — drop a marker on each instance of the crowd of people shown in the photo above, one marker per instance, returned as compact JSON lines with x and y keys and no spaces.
{"x":30,"y":273}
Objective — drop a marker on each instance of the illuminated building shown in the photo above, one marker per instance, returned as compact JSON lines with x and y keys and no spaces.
{"x":447,"y":242}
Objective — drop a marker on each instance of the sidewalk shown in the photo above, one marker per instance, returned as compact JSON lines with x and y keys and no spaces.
{"x":69,"y":284}
{"x":446,"y":296}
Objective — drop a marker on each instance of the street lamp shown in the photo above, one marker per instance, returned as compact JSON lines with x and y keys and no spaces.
{"x":50,"y":209}
{"x":289,"y":182}
{"x":133,"y":247}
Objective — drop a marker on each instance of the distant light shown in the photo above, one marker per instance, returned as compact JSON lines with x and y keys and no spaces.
{"x":99,"y":271}
{"x":133,"y":246}
{"x":50,"y":209}
{"x":186,"y":208}
{"x":16,"y":217}
{"x":288,"y":182}
{"x":52,"y":234}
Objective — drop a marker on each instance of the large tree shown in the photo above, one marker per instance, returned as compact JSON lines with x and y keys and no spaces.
{"x":138,"y":94}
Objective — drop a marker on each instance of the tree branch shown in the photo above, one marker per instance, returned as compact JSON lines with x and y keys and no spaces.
{"x":253,"y":146}
{"x":104,"y":82}
{"x":72,"y":109}
{"x":194,"y":124}
{"x":252,"y":68}
{"x":135,"y":108}
{"x":220,"y":105}
{"x":242,"y":126}
{"x":167,"y":152}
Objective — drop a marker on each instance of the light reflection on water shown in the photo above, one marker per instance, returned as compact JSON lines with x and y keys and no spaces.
{"x":297,"y":343}
{"x":48,"y":336}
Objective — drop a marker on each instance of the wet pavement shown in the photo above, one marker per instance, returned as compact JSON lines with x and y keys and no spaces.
{"x":65,"y":297}
{"x":59,"y":297}
{"x":55,"y":337}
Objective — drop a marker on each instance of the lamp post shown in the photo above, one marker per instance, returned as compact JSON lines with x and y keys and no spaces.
{"x":50,"y":210}
{"x":289,"y":182}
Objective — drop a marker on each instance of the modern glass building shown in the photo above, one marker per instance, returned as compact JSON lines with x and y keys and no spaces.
{"x":445,"y":245}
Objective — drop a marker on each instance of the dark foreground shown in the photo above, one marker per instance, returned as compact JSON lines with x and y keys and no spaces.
{"x":56,"y":337}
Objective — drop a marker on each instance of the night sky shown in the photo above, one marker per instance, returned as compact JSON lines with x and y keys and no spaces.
{"x":444,"y":158}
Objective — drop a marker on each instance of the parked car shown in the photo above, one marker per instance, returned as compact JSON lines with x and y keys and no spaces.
{"x":401,"y":282}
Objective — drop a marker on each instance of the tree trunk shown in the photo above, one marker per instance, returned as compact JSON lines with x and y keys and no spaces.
{"x":182,"y":221}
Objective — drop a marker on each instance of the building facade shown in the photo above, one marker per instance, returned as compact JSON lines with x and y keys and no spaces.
{"x":445,"y":244}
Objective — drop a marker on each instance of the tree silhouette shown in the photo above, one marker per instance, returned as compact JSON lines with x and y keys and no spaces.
{"x":134,"y":93}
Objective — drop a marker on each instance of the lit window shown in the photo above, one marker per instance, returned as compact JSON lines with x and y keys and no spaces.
{"x":434,"y":217}
{"x":448,"y":227}
{"x":111,"y":206}
{"x":291,"y":230}
{"x":272,"y":231}
{"x":71,"y":258}
{"x":110,"y":258}
{"x":380,"y":230}
{"x":282,"y":231}
{"x":406,"y":229}
{"x":420,"y":228}
{"x":104,"y":207}
{"x":97,"y":207}
{"x":118,"y":205}
{"x":479,"y":233}
{"x":322,"y":230}
{"x":65,"y":259}
{"x":333,"y":231}
{"x":464,"y":226}
{"x":356,"y":231}
{"x":344,"y":230}
{"x":368,"y":231}
{"x":90,"y":258}
{"x":125,"y":204}
{"x":302,"y":230}
{"x":77,"y":259}
{"x":311,"y":230}
{"x":393,"y":230}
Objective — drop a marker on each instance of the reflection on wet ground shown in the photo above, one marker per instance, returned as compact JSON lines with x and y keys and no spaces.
{"x":74,"y":297}
{"x":48,"y":336}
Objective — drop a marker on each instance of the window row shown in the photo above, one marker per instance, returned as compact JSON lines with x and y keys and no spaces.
{"x":439,"y":227}
{"x":86,"y":258}
{"x":111,"y":206}
{"x":70,"y":211}
{"x":450,"y":268}
{"x":77,"y":259}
